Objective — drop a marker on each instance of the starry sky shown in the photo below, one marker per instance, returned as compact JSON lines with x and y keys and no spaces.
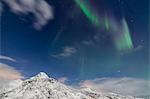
{"x":78,"y":39}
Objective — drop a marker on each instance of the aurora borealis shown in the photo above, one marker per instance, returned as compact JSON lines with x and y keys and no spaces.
{"x":122,"y":36}
{"x":88,"y":12}
{"x":124,"y":42}
{"x":77,"y":39}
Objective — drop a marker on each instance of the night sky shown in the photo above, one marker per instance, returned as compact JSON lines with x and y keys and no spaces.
{"x":83,"y":39}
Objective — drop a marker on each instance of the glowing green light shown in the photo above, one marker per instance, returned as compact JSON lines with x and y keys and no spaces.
{"x":124,"y":41}
{"x":127,"y":35}
{"x":87,"y":11}
{"x":107,"y":25}
{"x":122,"y":36}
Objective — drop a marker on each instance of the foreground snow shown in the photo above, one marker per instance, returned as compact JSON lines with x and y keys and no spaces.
{"x":43,"y":87}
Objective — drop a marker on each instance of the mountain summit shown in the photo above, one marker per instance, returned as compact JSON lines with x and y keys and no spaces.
{"x":43,"y":87}
{"x":42,"y":75}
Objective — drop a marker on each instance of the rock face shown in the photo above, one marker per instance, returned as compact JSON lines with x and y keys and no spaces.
{"x":43,"y":87}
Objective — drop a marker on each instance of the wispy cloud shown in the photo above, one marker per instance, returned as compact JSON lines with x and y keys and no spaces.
{"x":135,"y":49}
{"x":40,"y":9}
{"x":7,"y":58}
{"x":126,"y":85}
{"x":8,"y":72}
{"x":88,"y":42}
{"x":9,"y":76}
{"x":67,"y":51}
{"x":139,"y":47}
{"x":63,"y":79}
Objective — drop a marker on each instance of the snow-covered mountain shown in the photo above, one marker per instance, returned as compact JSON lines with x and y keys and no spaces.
{"x":43,"y":87}
{"x":8,"y":85}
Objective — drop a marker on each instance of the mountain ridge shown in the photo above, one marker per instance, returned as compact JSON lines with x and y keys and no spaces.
{"x":41,"y":86}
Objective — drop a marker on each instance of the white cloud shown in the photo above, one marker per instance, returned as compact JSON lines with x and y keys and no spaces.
{"x":63,"y":79}
{"x":126,"y":85}
{"x":135,"y":49}
{"x":7,"y":58}
{"x":40,"y":9}
{"x":67,"y":51}
{"x":139,"y":47}
{"x":8,"y":72}
{"x":9,"y":76}
{"x":88,"y":42}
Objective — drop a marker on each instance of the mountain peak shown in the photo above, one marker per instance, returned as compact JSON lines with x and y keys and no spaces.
{"x":42,"y":75}
{"x":43,"y":87}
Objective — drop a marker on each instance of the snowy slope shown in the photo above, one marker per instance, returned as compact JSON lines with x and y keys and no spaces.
{"x":103,"y":94}
{"x":43,"y":87}
{"x":9,"y":85}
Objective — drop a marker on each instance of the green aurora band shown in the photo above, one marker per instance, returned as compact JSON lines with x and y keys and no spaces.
{"x":122,"y":38}
{"x":123,"y":41}
{"x":87,"y":11}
